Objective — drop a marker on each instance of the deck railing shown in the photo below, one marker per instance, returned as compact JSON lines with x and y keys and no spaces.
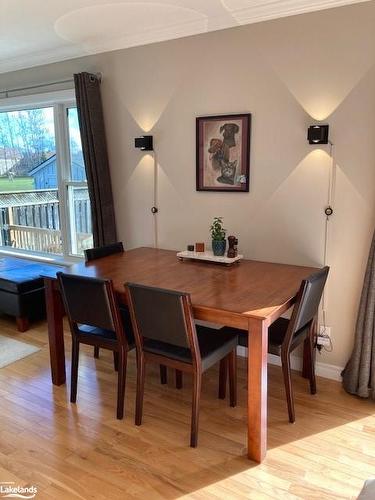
{"x":36,"y":239}
{"x":30,"y":220}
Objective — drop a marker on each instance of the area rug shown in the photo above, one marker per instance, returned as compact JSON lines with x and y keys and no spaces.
{"x":13,"y":350}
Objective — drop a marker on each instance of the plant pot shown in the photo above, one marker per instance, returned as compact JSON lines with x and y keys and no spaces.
{"x":218,"y":247}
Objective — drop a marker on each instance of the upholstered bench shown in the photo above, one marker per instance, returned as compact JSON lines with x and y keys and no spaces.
{"x":22,"y":289}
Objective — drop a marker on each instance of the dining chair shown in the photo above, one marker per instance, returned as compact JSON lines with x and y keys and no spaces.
{"x":103,"y":251}
{"x":112,"y":249}
{"x":96,"y":320}
{"x":165,"y":333}
{"x":285,"y":335}
{"x":98,"y":253}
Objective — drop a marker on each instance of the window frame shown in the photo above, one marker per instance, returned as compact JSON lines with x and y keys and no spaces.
{"x":60,"y":101}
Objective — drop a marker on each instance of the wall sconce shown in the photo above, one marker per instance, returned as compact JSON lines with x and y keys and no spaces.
{"x":144,"y":143}
{"x":318,"y":134}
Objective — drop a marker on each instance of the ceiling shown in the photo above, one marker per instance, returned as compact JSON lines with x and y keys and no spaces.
{"x":39,"y":32}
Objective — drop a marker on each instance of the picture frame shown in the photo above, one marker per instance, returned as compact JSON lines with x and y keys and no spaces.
{"x":223,"y":153}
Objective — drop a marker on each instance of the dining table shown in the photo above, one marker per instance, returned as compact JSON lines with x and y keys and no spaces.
{"x":249,"y":295}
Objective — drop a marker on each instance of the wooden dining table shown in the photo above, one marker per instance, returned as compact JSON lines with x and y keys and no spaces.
{"x":249,"y":295}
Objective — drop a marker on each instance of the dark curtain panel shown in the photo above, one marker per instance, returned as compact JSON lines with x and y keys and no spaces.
{"x":94,"y":145}
{"x":359,"y":373}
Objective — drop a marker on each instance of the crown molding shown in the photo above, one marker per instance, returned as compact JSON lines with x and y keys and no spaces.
{"x":254,"y":13}
{"x":275,"y":10}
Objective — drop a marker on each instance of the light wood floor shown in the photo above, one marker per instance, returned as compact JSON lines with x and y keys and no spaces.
{"x":82,"y":451}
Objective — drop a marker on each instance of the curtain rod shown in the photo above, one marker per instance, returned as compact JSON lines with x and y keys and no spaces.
{"x":40,"y":85}
{"x":31,"y":87}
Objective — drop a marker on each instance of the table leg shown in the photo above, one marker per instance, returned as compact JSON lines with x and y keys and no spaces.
{"x":257,"y":390}
{"x":55,"y":314}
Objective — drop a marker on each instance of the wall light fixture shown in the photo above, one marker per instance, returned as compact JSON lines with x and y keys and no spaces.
{"x":318,"y":134}
{"x":144,"y":143}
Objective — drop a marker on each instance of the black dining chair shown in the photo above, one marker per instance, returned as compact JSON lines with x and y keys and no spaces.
{"x":96,"y":320}
{"x":103,"y":251}
{"x":165,"y":333}
{"x":112,"y":249}
{"x":284,"y":335}
{"x":98,"y":253}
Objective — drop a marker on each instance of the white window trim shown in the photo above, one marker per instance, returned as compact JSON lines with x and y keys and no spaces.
{"x":38,"y":256}
{"x":34,"y":100}
{"x":60,"y":100}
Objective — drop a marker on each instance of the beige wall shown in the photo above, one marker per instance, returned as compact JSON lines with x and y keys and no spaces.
{"x":286,"y":73}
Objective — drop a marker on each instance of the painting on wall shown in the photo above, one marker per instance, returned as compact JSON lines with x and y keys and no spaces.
{"x":223,"y":152}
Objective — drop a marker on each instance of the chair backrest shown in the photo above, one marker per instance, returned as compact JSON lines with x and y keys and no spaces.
{"x":91,"y":301}
{"x":104,"y":251}
{"x":162,"y":315}
{"x":307,"y":303}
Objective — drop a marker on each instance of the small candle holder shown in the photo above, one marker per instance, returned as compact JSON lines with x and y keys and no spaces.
{"x":199,"y":247}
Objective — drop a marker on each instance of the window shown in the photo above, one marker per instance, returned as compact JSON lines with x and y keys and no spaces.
{"x":80,"y":232}
{"x":44,"y":200}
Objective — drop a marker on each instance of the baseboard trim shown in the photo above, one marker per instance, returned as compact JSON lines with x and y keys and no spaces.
{"x":332,"y":372}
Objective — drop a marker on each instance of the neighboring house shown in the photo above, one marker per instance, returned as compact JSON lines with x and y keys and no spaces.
{"x":45,"y":175}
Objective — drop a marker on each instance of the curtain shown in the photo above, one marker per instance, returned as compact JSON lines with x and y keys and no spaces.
{"x":94,"y":145}
{"x":359,"y":373}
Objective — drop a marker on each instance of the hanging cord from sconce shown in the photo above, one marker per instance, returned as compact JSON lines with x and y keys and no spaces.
{"x":154,"y":209}
{"x":328,"y":213}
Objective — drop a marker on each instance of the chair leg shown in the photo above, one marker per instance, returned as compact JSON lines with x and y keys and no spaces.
{"x":163,"y":374}
{"x":305,"y":359}
{"x":122,"y":358}
{"x":232,"y":362}
{"x":96,"y":352}
{"x":116,"y":360}
{"x":223,"y":370}
{"x":178,"y":379}
{"x":140,"y":389}
{"x":74,"y":371}
{"x":22,"y":323}
{"x":197,"y":383}
{"x":311,"y":364}
{"x":285,"y":361}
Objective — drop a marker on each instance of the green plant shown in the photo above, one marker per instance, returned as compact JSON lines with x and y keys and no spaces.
{"x":217,"y":230}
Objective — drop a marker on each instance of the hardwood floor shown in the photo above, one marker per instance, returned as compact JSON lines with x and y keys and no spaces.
{"x":81,"y":451}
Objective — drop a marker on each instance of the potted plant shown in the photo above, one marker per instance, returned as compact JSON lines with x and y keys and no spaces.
{"x":218,"y":237}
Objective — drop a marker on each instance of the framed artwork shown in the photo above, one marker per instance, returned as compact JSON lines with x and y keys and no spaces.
{"x":223,"y":152}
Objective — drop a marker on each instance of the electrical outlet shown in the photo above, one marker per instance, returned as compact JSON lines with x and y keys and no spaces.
{"x":324,"y":335}
{"x":325,"y":331}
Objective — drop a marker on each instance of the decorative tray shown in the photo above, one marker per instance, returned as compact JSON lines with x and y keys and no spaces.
{"x":208,"y":257}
